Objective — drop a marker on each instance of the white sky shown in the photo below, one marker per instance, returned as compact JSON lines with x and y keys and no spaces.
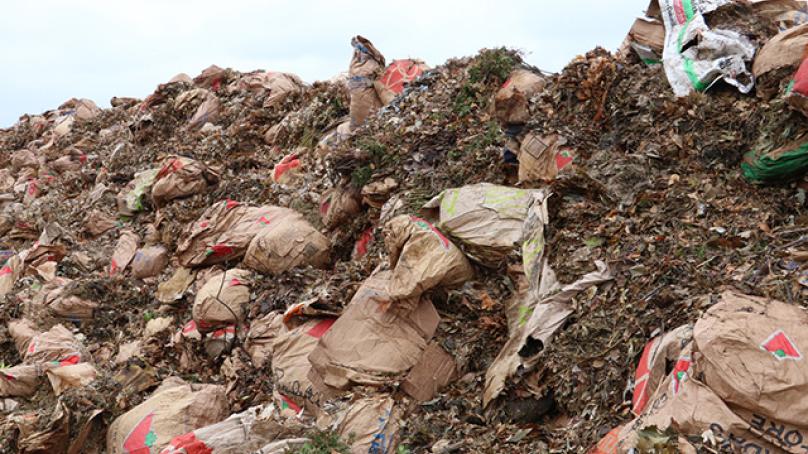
{"x":52,"y":50}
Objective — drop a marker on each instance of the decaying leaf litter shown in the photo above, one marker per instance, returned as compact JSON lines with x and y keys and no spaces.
{"x":648,"y":185}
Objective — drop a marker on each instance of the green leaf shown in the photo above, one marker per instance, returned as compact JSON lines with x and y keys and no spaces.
{"x":593,"y":242}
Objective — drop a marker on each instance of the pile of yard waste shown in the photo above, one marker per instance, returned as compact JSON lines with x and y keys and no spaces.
{"x":474,"y":257}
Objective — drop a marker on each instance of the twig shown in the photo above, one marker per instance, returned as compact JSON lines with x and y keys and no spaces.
{"x":792,"y":231}
{"x":800,"y":240}
{"x":232,"y":312}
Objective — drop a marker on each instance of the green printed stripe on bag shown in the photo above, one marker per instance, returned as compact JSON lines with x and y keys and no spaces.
{"x":786,"y":166}
{"x":681,"y":36}
{"x":690,"y":70}
{"x":691,"y":74}
{"x":688,"y":7}
{"x":790,"y":87}
{"x":451,"y":202}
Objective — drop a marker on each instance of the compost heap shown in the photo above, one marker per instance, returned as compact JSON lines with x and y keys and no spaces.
{"x":242,"y":261}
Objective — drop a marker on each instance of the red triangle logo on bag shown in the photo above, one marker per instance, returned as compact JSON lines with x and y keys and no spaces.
{"x":779,"y":345}
{"x":142,"y":437}
{"x":287,"y":403}
{"x":563,"y":158}
{"x":679,"y":373}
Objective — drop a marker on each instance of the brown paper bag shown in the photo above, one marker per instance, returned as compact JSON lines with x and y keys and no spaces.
{"x":56,"y":344}
{"x":181,"y":177}
{"x":9,"y":273}
{"x":220,"y":341}
{"x":63,"y":125}
{"x":657,"y":354}
{"x":72,"y":161}
{"x":149,"y":261}
{"x":511,"y":101}
{"x":435,"y":370}
{"x":649,"y":33}
{"x":366,"y":65}
{"x":280,"y":86}
{"x":369,"y":345}
{"x":374,"y":424}
{"x":746,"y":353}
{"x":290,"y":363}
{"x":338,"y":205}
{"x":71,"y":376}
{"x":222,"y":300}
{"x":208,"y":112}
{"x":287,"y":242}
{"x":364,"y":101}
{"x":366,"y":61}
{"x":779,"y":58}
{"x":547,"y":306}
{"x":261,"y":337}
{"x":784,"y":50}
{"x":223,"y":232}
{"x":181,"y":78}
{"x":72,"y":307}
{"x":377,"y":193}
{"x":124,"y":252}
{"x":97,"y":223}
{"x":24,"y":158}
{"x":174,"y":288}
{"x":43,"y":433}
{"x":211,"y":77}
{"x":749,"y":352}
{"x":422,"y":258}
{"x":231,"y":435}
{"x":693,"y":408}
{"x":486,"y":219}
{"x":541,"y":158}
{"x":190,"y":99}
{"x":312,"y":308}
{"x":20,"y":381}
{"x":175,"y":408}
{"x":330,"y":139}
{"x":259,"y":430}
{"x":22,"y":331}
{"x":156,"y":326}
{"x":85,"y":109}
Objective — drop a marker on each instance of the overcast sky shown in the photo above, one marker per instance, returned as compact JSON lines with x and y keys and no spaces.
{"x":52,"y":50}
